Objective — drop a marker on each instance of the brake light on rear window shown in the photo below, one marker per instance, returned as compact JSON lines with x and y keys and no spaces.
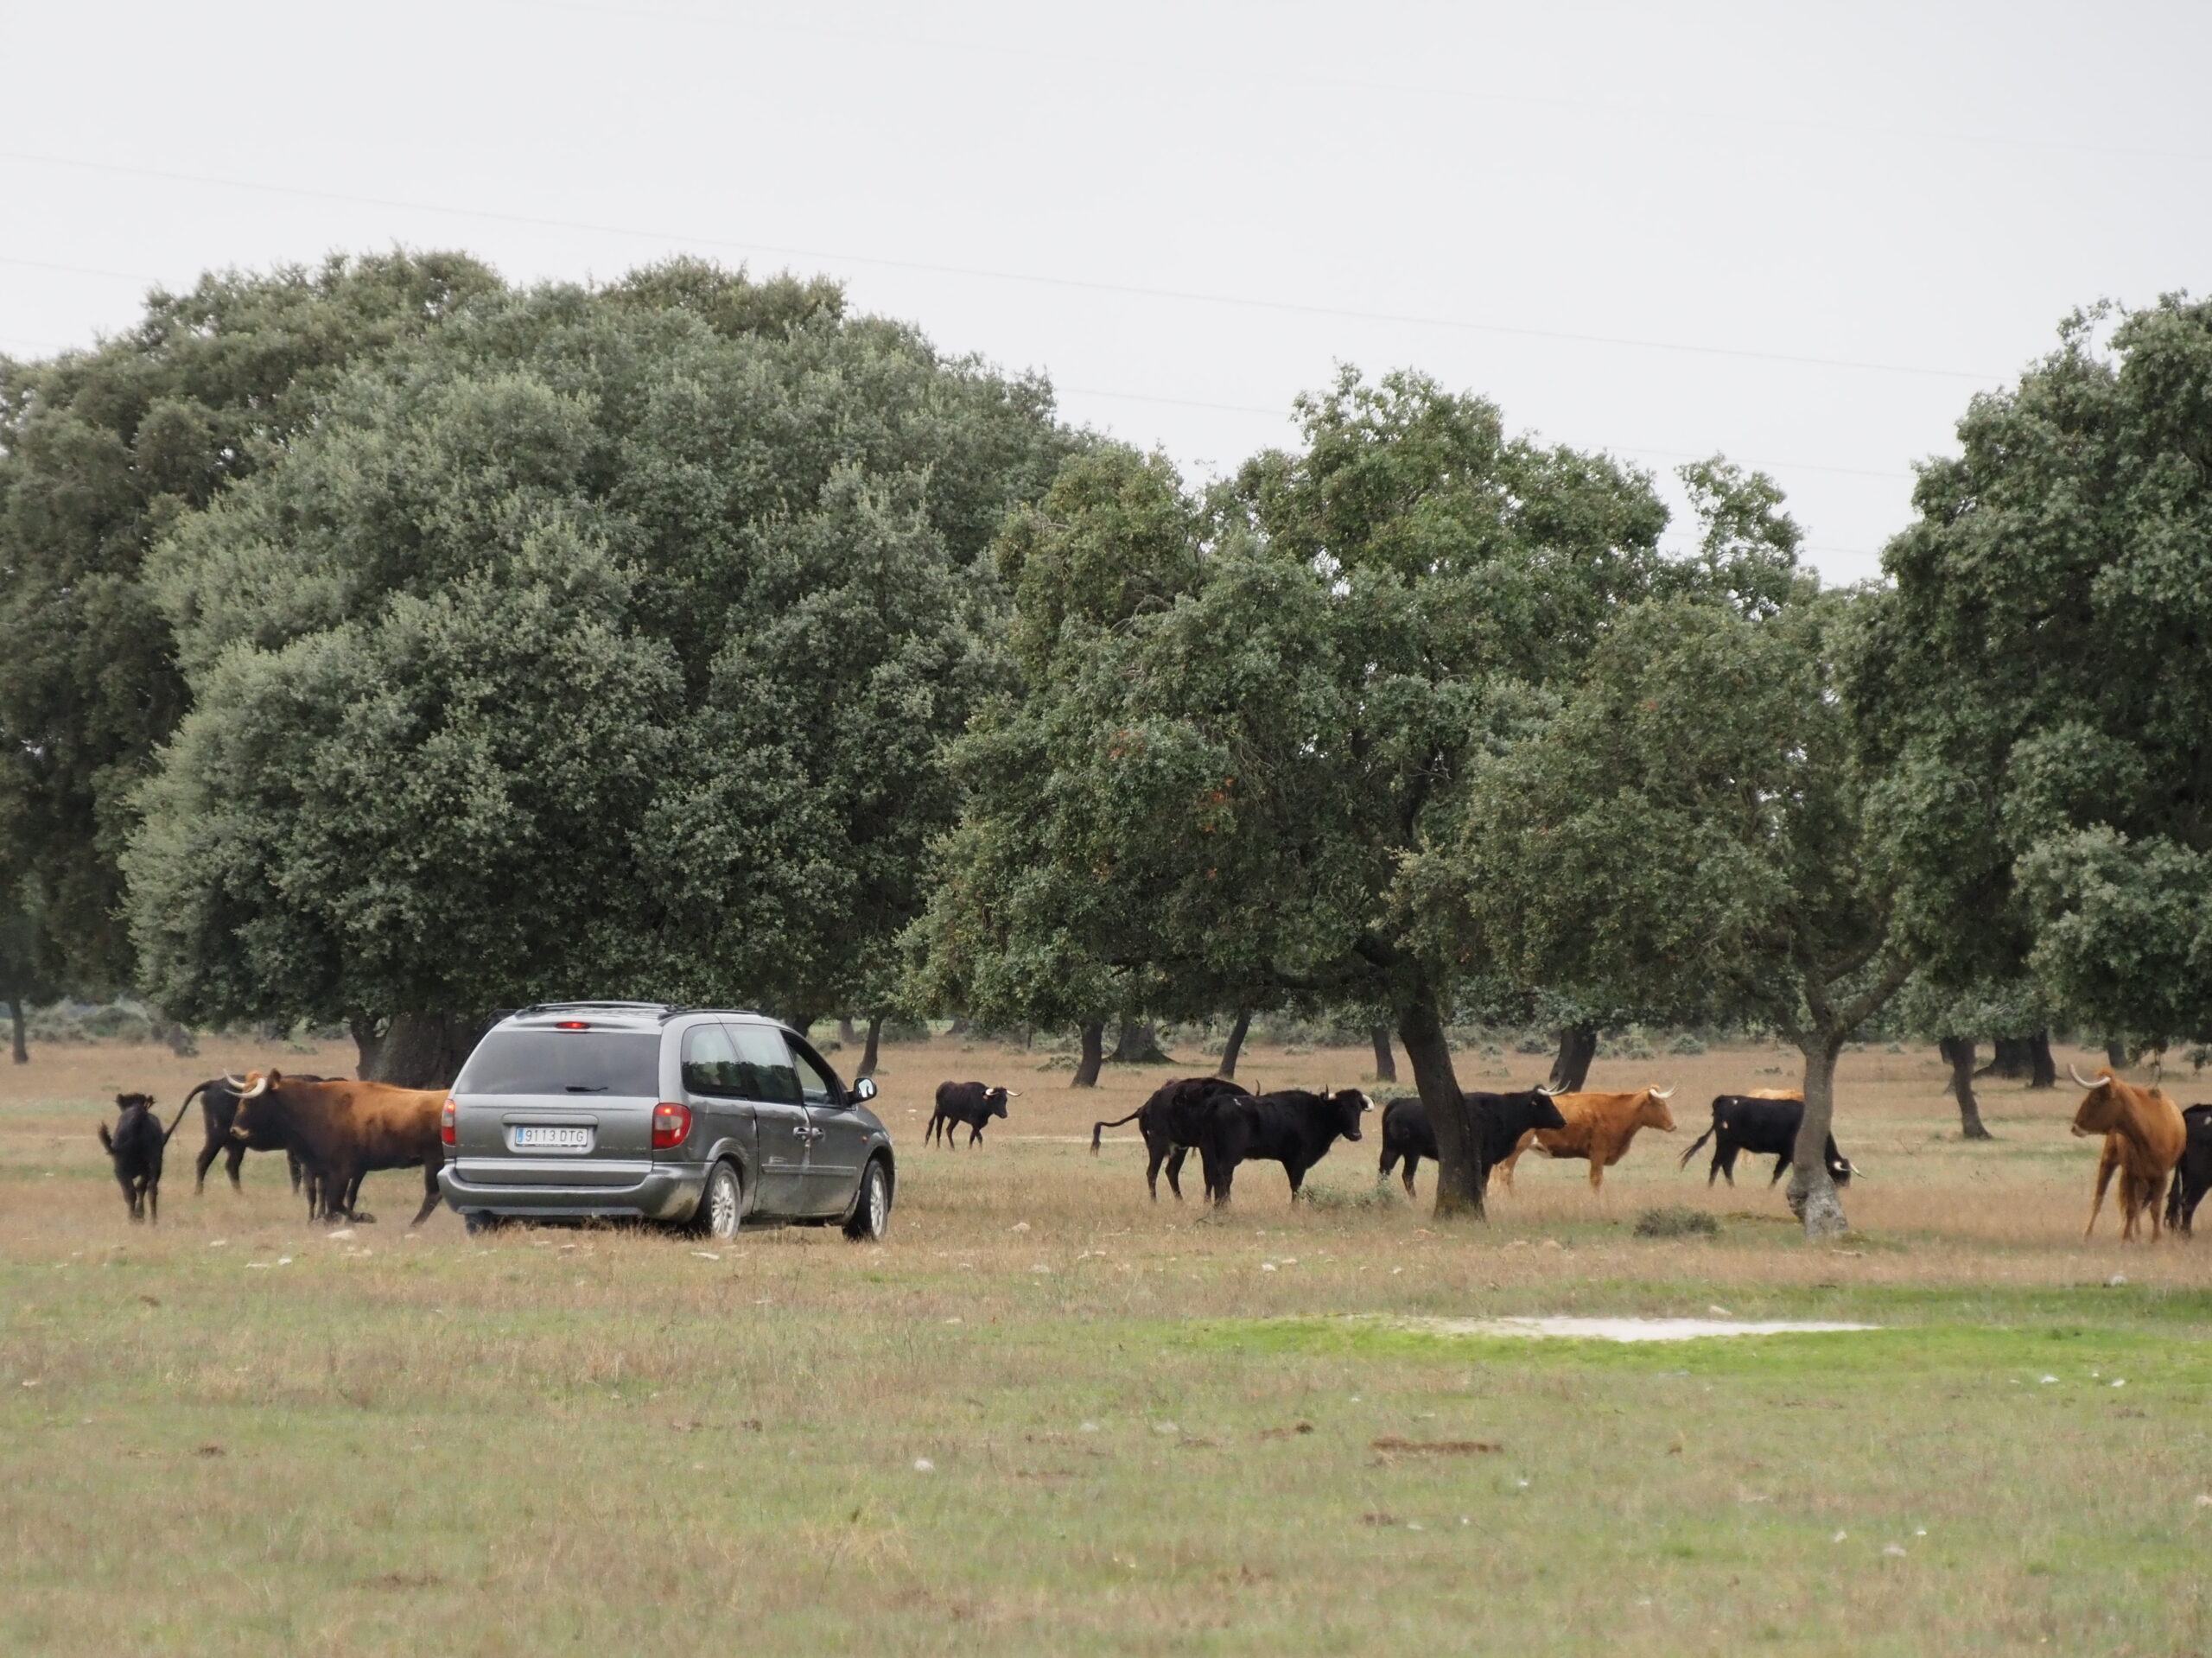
{"x":449,"y":1126}
{"x":573,"y":1025}
{"x":671,"y":1125}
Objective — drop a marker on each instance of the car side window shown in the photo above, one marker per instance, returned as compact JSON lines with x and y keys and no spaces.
{"x":764,"y":1067}
{"x":711,"y":1064}
{"x":814,"y":1082}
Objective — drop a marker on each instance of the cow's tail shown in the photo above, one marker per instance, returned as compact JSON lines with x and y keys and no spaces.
{"x":1098,"y":1129}
{"x":1683,"y":1161}
{"x":186,"y":1107}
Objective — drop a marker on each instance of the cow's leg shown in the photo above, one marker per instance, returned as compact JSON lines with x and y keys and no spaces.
{"x":129,"y":1193}
{"x":430,"y":1195}
{"x":204,"y":1161}
{"x":1723,"y":1162}
{"x":2155,"y":1201}
{"x":1413,"y":1162}
{"x":1154,"y":1156}
{"x":1383,"y":1169}
{"x":1502,"y":1173}
{"x":233,"y":1161}
{"x":153,"y":1200}
{"x":1175,"y":1159}
{"x":2106,"y":1162}
{"x":1781,"y":1168}
{"x":1297,"y":1173}
{"x":291,"y":1162}
{"x":353,"y":1200}
{"x":975,"y":1134}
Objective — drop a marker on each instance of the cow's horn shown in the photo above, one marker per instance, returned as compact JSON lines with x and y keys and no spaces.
{"x":1669,"y":1095}
{"x":2081,"y":1080}
{"x":234,"y":1084}
{"x":1546,"y":1092}
{"x":1013,"y":1093}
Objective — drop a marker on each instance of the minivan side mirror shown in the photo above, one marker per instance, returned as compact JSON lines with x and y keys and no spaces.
{"x":863,"y":1090}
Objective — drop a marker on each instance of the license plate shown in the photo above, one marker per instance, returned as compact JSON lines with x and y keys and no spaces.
{"x":542,"y":1137}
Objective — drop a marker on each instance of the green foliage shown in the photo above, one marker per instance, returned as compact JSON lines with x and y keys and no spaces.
{"x":101,"y":452}
{"x":1690,"y":829}
{"x":603,"y":642}
{"x":2043,"y":678}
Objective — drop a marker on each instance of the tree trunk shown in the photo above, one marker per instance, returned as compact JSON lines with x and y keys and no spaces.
{"x":874,"y":1042}
{"x":1460,"y":1173}
{"x":16,"y":1029}
{"x":1138,"y":1045}
{"x":1094,"y":1056}
{"x":414,"y":1050}
{"x":1235,"y":1045}
{"x":1578,"y":1046}
{"x":1958,"y":1053}
{"x":2116,"y":1054}
{"x":2042,"y":1070}
{"x":2009,"y":1058}
{"x":846,"y":1034}
{"x":1386,"y":1067}
{"x":1812,"y":1194}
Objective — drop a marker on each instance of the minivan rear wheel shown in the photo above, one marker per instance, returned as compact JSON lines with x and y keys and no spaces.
{"x":721,"y":1205}
{"x":871,"y":1217}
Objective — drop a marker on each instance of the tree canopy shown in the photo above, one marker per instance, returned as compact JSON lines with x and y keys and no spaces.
{"x":102,"y":452}
{"x":2042,"y":674}
{"x":598,"y":642}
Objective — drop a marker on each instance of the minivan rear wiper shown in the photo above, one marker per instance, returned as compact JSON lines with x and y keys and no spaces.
{"x":579,"y":1088}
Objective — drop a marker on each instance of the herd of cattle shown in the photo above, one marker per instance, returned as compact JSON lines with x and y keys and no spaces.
{"x":334,"y":1133}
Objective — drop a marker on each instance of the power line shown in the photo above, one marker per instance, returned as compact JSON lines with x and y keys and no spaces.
{"x":1289,"y":308}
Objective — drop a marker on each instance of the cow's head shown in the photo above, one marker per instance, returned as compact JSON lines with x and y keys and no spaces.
{"x":254,"y":1090}
{"x":1840,"y":1168}
{"x":994,"y":1102}
{"x":1543,"y":1108}
{"x":2100,"y":1107}
{"x":1346,"y":1107}
{"x":1651,"y":1110}
{"x":126,"y":1104}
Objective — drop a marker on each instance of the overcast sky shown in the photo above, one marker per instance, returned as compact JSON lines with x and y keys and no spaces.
{"x":1801,"y":235}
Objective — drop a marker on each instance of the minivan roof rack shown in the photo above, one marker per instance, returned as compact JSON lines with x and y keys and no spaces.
{"x":661,"y":1007}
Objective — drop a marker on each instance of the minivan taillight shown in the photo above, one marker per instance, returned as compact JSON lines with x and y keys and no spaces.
{"x":671,"y":1125}
{"x":449,"y":1126}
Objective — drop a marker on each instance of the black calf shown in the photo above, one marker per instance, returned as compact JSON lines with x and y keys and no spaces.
{"x":136,"y":1147}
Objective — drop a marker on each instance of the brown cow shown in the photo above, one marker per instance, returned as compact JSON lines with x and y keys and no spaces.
{"x":343,"y":1131}
{"x":2144,"y":1136}
{"x":1599,"y":1127}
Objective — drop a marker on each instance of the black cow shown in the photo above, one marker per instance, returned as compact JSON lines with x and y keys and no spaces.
{"x":136,"y":1147}
{"x":1758,"y":1127}
{"x":969,"y":1102}
{"x":1174,"y":1123}
{"x":218,"y":1108}
{"x":1293,"y":1127}
{"x":2194,"y":1176}
{"x":1502,"y":1120}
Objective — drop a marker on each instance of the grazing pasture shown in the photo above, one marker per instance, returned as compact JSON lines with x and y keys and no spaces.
{"x":1051,"y":1415}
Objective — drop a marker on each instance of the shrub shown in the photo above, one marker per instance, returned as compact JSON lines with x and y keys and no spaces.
{"x":1687,"y":1042}
{"x":1676,"y":1221}
{"x":1532,"y":1042}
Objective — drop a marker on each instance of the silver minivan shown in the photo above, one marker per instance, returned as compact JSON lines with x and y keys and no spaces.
{"x":701,"y":1119}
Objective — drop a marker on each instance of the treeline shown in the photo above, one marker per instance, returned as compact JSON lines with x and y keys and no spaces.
{"x":381,"y":645}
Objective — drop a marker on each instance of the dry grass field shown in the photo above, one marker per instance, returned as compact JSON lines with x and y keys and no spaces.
{"x":1050,"y":1416}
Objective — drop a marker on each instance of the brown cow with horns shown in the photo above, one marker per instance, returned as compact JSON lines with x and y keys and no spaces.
{"x":2145,"y":1137}
{"x":343,"y":1131}
{"x":1599,"y":1127}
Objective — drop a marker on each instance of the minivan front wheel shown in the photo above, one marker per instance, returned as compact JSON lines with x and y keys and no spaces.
{"x":721,"y":1205}
{"x":871,"y":1217}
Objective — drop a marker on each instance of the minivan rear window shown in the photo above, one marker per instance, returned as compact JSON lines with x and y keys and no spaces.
{"x":581,"y":1063}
